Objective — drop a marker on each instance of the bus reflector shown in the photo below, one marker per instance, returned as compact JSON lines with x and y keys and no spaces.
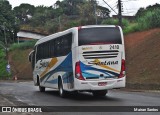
{"x":122,"y":73}
{"x":79,"y":27}
{"x":78,"y":73}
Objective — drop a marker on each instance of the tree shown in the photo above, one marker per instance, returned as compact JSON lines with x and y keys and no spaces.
{"x":155,"y":6}
{"x":103,"y":12}
{"x":7,"y":21}
{"x":69,"y":7}
{"x":24,"y":12}
{"x":62,"y":15}
{"x":41,"y":15}
{"x":142,"y":11}
{"x":87,"y":12}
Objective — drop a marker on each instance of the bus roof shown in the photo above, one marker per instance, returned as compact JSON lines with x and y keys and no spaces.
{"x":52,"y":36}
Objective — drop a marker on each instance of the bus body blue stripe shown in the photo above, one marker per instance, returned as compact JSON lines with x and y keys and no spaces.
{"x":84,"y":68}
{"x":65,"y":66}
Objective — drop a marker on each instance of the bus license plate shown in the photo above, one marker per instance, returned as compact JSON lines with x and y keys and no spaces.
{"x":102,"y":83}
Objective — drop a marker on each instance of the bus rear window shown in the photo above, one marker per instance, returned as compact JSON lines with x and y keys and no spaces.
{"x":99,"y":35}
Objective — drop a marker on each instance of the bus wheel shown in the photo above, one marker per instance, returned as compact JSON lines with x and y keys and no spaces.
{"x":41,"y":89}
{"x":62,"y":93}
{"x":99,"y":93}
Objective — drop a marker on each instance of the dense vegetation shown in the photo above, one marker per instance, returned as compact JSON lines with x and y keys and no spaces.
{"x":23,"y":46}
{"x":7,"y":21}
{"x":65,"y":14}
{"x":3,"y":63}
{"x":147,"y":18}
{"x":62,"y":15}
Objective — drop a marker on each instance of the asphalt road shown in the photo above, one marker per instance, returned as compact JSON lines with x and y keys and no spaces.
{"x":25,"y":93}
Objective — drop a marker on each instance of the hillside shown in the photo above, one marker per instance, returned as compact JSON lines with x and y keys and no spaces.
{"x":142,"y":60}
{"x":20,"y":65}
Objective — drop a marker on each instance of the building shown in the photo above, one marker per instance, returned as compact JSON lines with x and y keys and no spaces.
{"x":24,"y":35}
{"x":131,"y":18}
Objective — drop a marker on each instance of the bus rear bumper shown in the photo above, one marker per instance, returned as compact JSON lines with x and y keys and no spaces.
{"x":100,"y":84}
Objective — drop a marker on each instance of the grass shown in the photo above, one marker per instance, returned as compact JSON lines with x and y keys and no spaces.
{"x":151,"y":19}
{"x":3,"y":62}
{"x":132,"y":27}
{"x":128,"y":27}
{"x":20,"y":64}
{"x":111,"y":21}
{"x":19,"y":57}
{"x":23,"y":46}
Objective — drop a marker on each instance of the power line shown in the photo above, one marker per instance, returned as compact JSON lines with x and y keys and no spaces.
{"x":128,"y":11}
{"x":119,"y":11}
{"x":110,"y":7}
{"x":125,"y":7}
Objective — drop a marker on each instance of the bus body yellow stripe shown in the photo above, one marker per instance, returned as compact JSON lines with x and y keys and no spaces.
{"x":106,"y":67}
{"x":50,"y":65}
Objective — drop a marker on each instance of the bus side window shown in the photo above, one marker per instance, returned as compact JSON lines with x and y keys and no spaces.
{"x":57,"y":47}
{"x":44,"y":50}
{"x":38,"y":53}
{"x":41,"y":52}
{"x":52,"y":48}
{"x":68,"y":43}
{"x":63,"y":46}
{"x":47,"y":50}
{"x":66,"y":46}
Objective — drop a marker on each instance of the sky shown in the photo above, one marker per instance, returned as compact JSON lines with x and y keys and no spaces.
{"x":130,"y":7}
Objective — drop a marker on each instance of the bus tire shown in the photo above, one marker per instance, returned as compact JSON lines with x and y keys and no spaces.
{"x":62,"y":93}
{"x":99,"y":93}
{"x":41,"y":89}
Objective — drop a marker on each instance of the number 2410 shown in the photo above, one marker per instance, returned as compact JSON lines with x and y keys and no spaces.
{"x":114,"y":47}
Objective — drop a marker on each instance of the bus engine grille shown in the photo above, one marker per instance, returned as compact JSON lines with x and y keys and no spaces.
{"x":100,"y":54}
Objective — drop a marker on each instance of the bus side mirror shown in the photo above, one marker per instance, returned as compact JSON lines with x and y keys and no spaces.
{"x":30,"y":56}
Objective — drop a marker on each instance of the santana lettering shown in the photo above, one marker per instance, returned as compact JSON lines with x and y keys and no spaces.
{"x":104,"y":63}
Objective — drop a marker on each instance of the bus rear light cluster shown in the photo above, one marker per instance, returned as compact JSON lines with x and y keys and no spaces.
{"x":122,"y":73}
{"x":78,"y":72}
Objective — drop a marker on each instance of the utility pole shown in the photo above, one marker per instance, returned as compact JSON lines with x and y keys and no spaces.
{"x":5,"y":36}
{"x":120,"y":12}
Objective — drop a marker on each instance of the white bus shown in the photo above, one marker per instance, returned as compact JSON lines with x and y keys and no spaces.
{"x":86,"y":58}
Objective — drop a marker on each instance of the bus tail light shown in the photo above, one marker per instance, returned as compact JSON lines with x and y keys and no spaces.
{"x":78,"y":73}
{"x":122,"y":73}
